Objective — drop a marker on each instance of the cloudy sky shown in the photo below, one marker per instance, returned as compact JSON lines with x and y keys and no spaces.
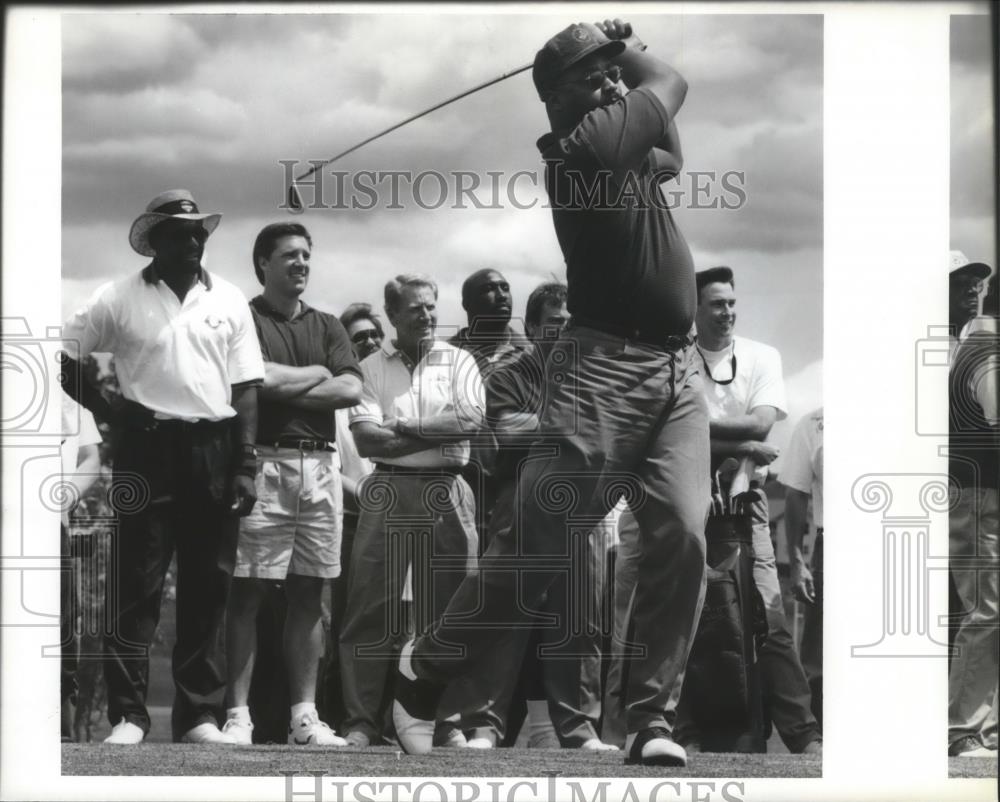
{"x":973,"y":200}
{"x":214,"y":102}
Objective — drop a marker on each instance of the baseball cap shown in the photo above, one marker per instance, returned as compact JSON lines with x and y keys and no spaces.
{"x":568,"y":47}
{"x":958,"y":264}
{"x":712,"y":275}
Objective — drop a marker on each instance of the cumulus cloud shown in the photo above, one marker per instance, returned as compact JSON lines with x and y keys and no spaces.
{"x":213,"y":102}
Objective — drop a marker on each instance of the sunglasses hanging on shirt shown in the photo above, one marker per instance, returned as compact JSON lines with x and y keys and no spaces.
{"x":708,"y":370}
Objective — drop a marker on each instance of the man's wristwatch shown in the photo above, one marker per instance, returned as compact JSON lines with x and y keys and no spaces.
{"x":247,"y":465}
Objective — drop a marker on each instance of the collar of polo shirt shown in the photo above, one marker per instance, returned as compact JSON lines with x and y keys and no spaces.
{"x":150,"y":276}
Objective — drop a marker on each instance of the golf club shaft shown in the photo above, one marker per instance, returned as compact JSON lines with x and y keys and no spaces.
{"x":437,"y":106}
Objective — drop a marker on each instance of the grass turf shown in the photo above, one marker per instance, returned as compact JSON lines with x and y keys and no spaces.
{"x":152,"y":759}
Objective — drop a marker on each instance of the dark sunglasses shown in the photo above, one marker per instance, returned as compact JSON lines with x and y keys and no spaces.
{"x":367,"y":334}
{"x":708,"y":370}
{"x":595,"y":80}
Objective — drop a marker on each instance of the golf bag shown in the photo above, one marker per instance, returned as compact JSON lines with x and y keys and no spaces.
{"x":721,"y":704}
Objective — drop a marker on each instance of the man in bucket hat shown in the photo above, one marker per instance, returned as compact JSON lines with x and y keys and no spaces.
{"x":625,"y":409}
{"x":974,"y":474}
{"x":188,"y":363}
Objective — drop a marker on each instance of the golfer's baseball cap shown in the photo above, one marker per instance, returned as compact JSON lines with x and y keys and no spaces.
{"x":567,"y":48}
{"x":959,"y":265}
{"x":713,"y":275}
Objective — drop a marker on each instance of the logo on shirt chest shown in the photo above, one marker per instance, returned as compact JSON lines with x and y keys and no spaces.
{"x":213,"y":322}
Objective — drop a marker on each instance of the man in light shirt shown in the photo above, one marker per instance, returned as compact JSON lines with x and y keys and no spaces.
{"x":422,"y":400}
{"x":746,"y":396}
{"x":802,"y":476}
{"x":188,"y":363}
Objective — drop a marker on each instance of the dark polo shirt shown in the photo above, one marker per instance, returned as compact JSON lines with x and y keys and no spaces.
{"x":516,"y":386}
{"x":311,"y":338}
{"x":627,"y":264}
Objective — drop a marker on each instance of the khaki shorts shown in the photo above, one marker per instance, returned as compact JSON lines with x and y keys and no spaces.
{"x":295,"y":526}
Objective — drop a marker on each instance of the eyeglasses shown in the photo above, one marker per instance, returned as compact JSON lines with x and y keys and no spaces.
{"x":367,"y":334}
{"x":595,"y":80}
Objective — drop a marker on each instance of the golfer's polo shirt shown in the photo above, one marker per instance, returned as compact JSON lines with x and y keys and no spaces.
{"x":445,"y":379}
{"x":628,"y":266}
{"x":176,"y":358}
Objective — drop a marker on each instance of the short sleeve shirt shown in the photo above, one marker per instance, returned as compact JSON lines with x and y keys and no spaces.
{"x":79,"y":430}
{"x":758,"y":382}
{"x":516,"y":387}
{"x":802,"y":462}
{"x":310,"y":338}
{"x":446,"y":379}
{"x":627,"y":263}
{"x":177,"y":358}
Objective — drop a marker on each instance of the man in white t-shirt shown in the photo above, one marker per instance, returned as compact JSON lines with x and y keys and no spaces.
{"x":802,"y":476}
{"x":746,"y":395}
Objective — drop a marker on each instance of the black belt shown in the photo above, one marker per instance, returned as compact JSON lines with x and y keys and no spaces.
{"x":450,"y":470}
{"x":300,"y":444}
{"x":177,"y":426}
{"x":668,"y":342}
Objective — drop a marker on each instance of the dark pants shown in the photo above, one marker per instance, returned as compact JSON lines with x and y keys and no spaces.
{"x":559,"y":661}
{"x":618,"y":417}
{"x":169,"y":495}
{"x":811,"y":646}
{"x":69,"y":637}
{"x":424,"y":519}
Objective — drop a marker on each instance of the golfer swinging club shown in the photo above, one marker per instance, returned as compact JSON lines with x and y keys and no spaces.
{"x":624,"y":407}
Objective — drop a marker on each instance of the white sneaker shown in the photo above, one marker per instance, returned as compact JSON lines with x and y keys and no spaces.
{"x":239,"y":729}
{"x":125,"y":733}
{"x":479,"y":743}
{"x":207,"y":733}
{"x":597,"y":745}
{"x":308,"y":730}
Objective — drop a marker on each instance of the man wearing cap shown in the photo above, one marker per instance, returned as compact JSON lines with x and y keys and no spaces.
{"x":746,"y":395}
{"x":293,"y":534}
{"x":967,"y":284}
{"x":974,"y":469}
{"x":188,"y":364}
{"x":627,"y":410}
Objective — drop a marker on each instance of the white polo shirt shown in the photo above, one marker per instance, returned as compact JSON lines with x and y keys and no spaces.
{"x":177,"y":359}
{"x":802,"y":463}
{"x":446,"y":379}
{"x":758,"y":382}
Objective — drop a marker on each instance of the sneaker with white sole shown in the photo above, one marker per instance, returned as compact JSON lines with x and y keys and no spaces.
{"x":308,"y":730}
{"x":415,"y":706}
{"x":125,"y":733}
{"x":479,"y":743}
{"x":207,"y":733}
{"x":241,"y":730}
{"x":653,"y":746}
